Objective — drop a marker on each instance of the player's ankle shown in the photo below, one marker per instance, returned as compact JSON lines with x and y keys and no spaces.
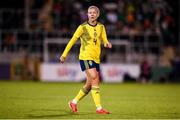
{"x":99,"y":108}
{"x":74,"y":101}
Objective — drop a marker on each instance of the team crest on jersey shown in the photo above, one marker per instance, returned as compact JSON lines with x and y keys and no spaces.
{"x":90,"y":63}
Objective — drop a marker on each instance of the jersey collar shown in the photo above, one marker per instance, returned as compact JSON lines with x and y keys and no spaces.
{"x":92,"y":25}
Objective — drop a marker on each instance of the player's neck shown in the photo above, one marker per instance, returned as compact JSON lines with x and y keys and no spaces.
{"x":92,"y":23}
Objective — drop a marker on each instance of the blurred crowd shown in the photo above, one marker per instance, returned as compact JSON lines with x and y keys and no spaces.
{"x":119,"y":16}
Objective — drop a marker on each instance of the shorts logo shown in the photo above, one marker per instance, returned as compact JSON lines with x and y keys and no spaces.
{"x":90,"y":63}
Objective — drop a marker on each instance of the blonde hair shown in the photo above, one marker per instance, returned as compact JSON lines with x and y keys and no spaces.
{"x":96,"y":8}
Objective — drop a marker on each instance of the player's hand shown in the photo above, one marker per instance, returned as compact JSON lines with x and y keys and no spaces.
{"x":62,"y":59}
{"x":108,"y":45}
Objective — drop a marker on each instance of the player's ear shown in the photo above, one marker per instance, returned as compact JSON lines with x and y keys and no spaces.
{"x":98,"y":11}
{"x":97,"y":14}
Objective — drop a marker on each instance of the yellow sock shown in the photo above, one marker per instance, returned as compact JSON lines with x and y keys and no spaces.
{"x":82,"y":93}
{"x":96,"y":96}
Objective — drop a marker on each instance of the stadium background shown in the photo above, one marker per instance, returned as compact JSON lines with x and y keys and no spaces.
{"x":139,"y":30}
{"x":33,"y":34}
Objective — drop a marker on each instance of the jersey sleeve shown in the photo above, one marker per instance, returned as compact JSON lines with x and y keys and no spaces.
{"x":73,"y":40}
{"x":104,"y":36}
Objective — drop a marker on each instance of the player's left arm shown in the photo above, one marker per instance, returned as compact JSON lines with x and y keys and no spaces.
{"x":107,"y":44}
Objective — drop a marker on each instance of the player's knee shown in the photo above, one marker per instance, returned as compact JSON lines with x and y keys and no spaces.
{"x":94,"y":76}
{"x":95,"y":81}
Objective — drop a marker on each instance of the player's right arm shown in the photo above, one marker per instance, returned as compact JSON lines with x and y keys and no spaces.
{"x":76,"y":35}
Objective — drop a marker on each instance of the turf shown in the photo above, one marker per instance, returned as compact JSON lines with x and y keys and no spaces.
{"x":49,"y":100}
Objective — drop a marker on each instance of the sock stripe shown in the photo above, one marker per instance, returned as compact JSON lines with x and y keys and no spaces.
{"x":85,"y":90}
{"x":95,"y":88}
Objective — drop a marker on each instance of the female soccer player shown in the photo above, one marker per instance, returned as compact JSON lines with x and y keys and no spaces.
{"x":91,"y":33}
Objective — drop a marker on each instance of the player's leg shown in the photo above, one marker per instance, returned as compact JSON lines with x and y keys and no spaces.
{"x":83,"y":91}
{"x":94,"y":75}
{"x":81,"y":94}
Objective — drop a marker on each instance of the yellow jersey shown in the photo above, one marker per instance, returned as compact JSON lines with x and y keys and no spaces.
{"x":91,"y":37}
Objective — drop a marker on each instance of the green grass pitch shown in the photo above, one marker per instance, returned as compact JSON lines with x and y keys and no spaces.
{"x":128,"y":100}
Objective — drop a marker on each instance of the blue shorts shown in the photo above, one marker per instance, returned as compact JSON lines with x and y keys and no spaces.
{"x":87,"y":64}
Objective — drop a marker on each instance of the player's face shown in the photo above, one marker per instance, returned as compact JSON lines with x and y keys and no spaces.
{"x":92,"y":14}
